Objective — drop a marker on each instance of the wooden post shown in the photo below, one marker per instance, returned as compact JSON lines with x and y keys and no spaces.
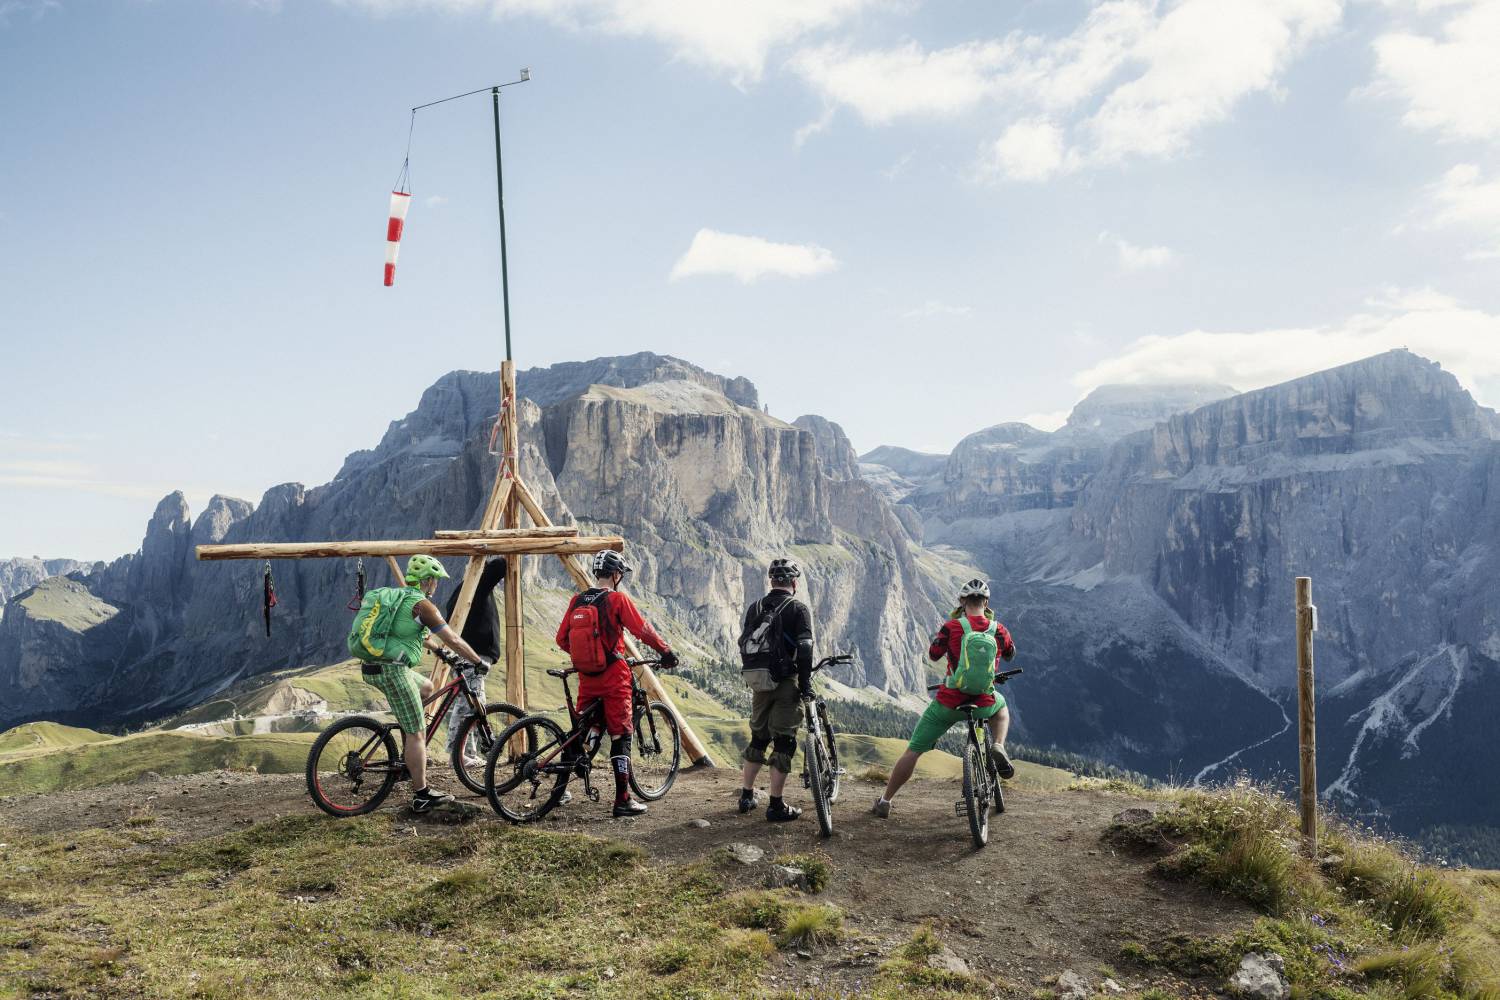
{"x":515,"y":646}
{"x":390,"y":561}
{"x":1307,"y":730}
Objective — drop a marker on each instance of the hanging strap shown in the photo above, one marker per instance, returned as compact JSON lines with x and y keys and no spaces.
{"x":359,"y":585}
{"x":268,"y":597}
{"x":403,"y":179}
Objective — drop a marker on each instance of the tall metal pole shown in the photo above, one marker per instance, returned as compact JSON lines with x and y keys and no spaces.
{"x":500,"y":190}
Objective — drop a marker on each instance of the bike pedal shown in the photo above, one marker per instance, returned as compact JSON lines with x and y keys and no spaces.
{"x":960,"y":807}
{"x":593,"y":795}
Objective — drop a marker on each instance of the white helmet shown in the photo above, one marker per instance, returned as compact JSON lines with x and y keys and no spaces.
{"x":974,"y":588}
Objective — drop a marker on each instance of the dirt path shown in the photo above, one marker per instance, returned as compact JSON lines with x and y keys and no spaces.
{"x":1044,"y":896}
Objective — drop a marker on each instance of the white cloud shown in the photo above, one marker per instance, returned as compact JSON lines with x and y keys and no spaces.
{"x":1465,"y":341}
{"x":750,"y":258}
{"x":435,"y":201}
{"x":934,"y":308}
{"x":1131,"y":80}
{"x":898,"y":168}
{"x":1135,"y":258}
{"x":882,"y":86}
{"x":733,"y":36}
{"x":1030,"y":150}
{"x":1464,"y":198}
{"x":1449,"y":82}
{"x":35,"y":10}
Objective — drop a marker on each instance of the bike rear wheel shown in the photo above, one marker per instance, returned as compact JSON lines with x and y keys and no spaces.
{"x":977,"y":794}
{"x":521,"y":779}
{"x":656,"y":752}
{"x":352,"y":766}
{"x":833,"y":754}
{"x":476,"y":736}
{"x":818,"y":774}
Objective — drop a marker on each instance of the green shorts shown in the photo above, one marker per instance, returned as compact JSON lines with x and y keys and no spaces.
{"x":777,"y":712}
{"x":402,"y":687}
{"x":938,"y":719}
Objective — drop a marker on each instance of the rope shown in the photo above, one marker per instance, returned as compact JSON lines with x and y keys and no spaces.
{"x":403,"y":179}
{"x":268,"y":597}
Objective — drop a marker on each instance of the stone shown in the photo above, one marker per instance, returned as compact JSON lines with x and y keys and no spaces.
{"x":699,"y":824}
{"x":946,"y":960}
{"x":746,"y":854}
{"x":786,"y":877}
{"x":1261,"y":976}
{"x":1072,"y":986}
{"x":1110,"y":986}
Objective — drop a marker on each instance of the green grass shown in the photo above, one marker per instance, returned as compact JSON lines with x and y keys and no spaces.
{"x":1364,"y":918}
{"x":819,"y":871}
{"x":307,"y":906}
{"x":45,"y":736}
{"x":112,"y":760}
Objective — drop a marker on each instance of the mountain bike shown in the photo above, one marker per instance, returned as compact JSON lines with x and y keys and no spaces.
{"x":354,"y":763}
{"x":525,"y":786}
{"x":820,"y":754}
{"x":982,"y":789}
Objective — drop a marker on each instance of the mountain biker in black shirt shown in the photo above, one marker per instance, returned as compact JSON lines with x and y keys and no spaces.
{"x":482,"y":631}
{"x":776,"y":714}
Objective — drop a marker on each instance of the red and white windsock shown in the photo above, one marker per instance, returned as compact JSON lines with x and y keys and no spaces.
{"x":400,"y":202}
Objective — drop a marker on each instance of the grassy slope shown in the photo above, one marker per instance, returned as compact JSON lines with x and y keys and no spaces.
{"x":45,"y":736}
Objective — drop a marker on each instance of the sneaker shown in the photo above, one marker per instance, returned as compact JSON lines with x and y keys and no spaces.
{"x":882,"y":808}
{"x":473,"y":762}
{"x":1002,"y":761}
{"x":747,"y":800}
{"x":427,"y":798}
{"x":780,"y":812}
{"x":567,"y":797}
{"x":630,"y":807}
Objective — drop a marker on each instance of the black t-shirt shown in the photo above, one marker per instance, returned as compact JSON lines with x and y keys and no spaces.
{"x":794,"y":623}
{"x":482,"y":630}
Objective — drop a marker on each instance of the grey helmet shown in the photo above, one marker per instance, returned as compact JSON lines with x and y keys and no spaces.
{"x":609,"y":562}
{"x":974,"y":588}
{"x":784,"y":571}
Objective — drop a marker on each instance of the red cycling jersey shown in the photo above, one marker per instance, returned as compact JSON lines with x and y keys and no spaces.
{"x":949,"y":640}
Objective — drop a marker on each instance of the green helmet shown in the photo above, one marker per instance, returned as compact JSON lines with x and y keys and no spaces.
{"x":421,"y":567}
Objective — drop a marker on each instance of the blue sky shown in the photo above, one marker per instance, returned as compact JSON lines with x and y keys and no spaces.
{"x":915,"y":218}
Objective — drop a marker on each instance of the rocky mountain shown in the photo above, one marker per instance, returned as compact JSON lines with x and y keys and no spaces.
{"x":23,"y":573}
{"x":706,"y":486}
{"x":1175,"y":547}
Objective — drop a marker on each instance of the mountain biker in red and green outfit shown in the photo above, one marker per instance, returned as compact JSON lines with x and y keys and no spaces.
{"x":404,"y":687}
{"x":603,"y":674}
{"x":973,"y":615}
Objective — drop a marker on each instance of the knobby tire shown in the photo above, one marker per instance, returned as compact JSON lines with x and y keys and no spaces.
{"x":657,"y":752}
{"x":499,"y":715}
{"x":507,"y":772}
{"x":326,"y":782}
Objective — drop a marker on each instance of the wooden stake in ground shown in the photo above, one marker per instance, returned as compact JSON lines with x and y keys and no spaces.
{"x":1307,"y":728}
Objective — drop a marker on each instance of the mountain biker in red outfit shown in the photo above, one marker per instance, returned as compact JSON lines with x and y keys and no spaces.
{"x":616,"y":614}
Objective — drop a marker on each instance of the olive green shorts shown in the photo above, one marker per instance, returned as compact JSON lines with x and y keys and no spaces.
{"x":402,"y":687}
{"x":777,"y":712}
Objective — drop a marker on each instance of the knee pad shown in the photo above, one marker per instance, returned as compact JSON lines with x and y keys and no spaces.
{"x":755,"y":753}
{"x":619,"y":746}
{"x":781,"y":757}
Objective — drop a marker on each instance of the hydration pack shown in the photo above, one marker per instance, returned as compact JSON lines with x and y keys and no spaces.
{"x":590,"y":643}
{"x":974,"y":674}
{"x":371,"y":630}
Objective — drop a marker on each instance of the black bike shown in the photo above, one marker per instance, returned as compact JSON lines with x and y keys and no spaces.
{"x":982,"y":789}
{"x":526,"y":784}
{"x":820,"y":757}
{"x":354,"y":763}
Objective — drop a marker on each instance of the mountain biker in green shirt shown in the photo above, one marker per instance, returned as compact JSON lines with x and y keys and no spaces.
{"x":404,"y":687}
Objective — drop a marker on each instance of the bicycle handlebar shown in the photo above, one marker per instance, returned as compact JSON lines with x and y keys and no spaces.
{"x":1000,"y":678}
{"x":459,"y":663}
{"x":833,"y":661}
{"x":654,"y":664}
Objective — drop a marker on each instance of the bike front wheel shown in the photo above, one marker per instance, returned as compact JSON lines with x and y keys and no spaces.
{"x":476,"y":736}
{"x":977,"y":794}
{"x":820,"y":778}
{"x":523,"y":775}
{"x":656,"y":752}
{"x":833,"y":754}
{"x":352,"y":766}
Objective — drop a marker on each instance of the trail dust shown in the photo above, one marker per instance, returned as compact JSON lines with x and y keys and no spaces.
{"x":1046,"y":894}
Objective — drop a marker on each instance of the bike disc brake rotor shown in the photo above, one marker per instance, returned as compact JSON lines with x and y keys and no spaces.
{"x":354,"y":767}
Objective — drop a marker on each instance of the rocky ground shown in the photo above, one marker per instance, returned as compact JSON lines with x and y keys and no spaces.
{"x":1046,"y":896}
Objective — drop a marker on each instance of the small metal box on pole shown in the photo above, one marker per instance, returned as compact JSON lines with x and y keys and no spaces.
{"x":1307,"y":729}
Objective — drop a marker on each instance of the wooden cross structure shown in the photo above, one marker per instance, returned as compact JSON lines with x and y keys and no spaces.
{"x":499,"y":533}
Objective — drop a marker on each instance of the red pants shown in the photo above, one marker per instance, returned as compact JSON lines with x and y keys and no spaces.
{"x":613,"y":688}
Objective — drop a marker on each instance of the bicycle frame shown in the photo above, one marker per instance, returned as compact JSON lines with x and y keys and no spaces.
{"x":449,"y":692}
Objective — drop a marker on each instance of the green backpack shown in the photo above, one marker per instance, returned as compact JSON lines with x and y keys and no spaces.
{"x":371,"y":629}
{"x":975,"y":672}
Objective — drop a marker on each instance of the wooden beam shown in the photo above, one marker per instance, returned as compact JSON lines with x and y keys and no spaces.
{"x":1307,"y":725}
{"x":515,"y":646}
{"x":396,"y":570}
{"x":553,"y":532}
{"x":697,"y":752}
{"x":429,"y":546}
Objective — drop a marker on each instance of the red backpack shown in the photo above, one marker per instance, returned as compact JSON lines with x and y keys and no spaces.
{"x":591,"y":644}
